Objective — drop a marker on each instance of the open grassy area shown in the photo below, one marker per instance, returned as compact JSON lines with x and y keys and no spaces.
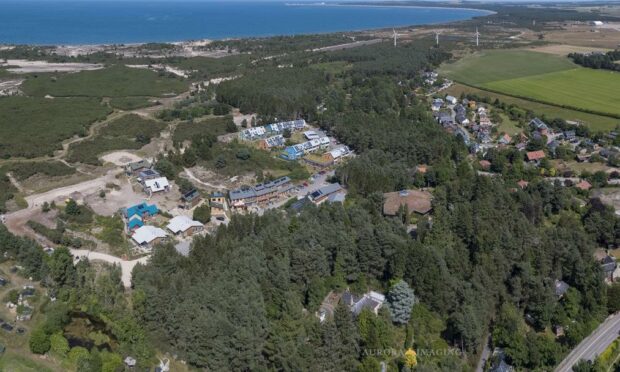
{"x":31,"y":127}
{"x":115,"y":81}
{"x":543,"y":78}
{"x":508,"y":126}
{"x":493,"y":65}
{"x":12,"y":361}
{"x":130,"y":103}
{"x":125,"y":133}
{"x":595,"y":122}
{"x":210,"y":126}
{"x":25,"y":170}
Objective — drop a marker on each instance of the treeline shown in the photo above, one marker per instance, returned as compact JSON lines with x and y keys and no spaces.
{"x":607,"y":61}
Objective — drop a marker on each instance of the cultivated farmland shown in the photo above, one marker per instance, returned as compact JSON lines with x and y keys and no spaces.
{"x":540,"y":77}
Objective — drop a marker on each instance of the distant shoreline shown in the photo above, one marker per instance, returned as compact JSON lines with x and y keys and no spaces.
{"x":217,"y":33}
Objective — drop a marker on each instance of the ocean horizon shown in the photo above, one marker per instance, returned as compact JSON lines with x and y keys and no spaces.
{"x":70,"y":22}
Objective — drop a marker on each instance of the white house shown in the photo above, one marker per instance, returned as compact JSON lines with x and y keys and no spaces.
{"x":156,"y":185}
{"x":147,"y":235}
{"x":184,"y":225}
{"x":451,"y":100}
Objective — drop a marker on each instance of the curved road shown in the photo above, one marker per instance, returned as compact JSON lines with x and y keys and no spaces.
{"x":126,"y":266}
{"x":593,"y":345}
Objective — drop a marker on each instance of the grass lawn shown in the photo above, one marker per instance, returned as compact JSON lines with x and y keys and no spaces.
{"x":130,"y":103}
{"x":595,"y":122}
{"x":115,"y":81}
{"x":508,"y":126}
{"x":24,"y":170}
{"x":14,"y":362}
{"x":493,"y":65}
{"x":581,"y":88}
{"x":332,"y":67}
{"x":31,"y":127}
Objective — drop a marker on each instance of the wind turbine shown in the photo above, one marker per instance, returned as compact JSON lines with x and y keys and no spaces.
{"x":437,"y":33}
{"x":477,"y":37}
{"x":395,"y":35}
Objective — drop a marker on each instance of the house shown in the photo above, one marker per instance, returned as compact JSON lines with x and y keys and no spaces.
{"x":148,"y":174}
{"x":156,"y":185}
{"x":218,"y":204}
{"x":337,"y":154}
{"x":523,"y":184}
{"x":134,"y":223}
{"x":310,"y":135}
{"x":462,"y":119}
{"x":323,"y":193}
{"x":608,"y":266}
{"x":485,"y":164}
{"x":292,"y":153}
{"x":584,"y":185}
{"x":538,"y":124}
{"x":274,"y":141}
{"x":535,"y":156}
{"x":558,"y":330}
{"x":191,"y":199}
{"x":255,"y":133}
{"x":130,"y":362}
{"x":415,"y":200}
{"x":451,"y":100}
{"x":371,"y":301}
{"x":148,"y":235}
{"x":134,"y":168}
{"x":183,"y":225}
{"x":445,"y":118}
{"x":560,"y":288}
{"x":505,"y":139}
{"x":142,"y":210}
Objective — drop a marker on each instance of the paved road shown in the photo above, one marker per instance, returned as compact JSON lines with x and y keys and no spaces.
{"x":126,"y":266}
{"x":593,"y":345}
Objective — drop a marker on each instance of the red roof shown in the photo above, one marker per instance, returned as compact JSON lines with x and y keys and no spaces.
{"x":535,"y":155}
{"x":583,"y":185}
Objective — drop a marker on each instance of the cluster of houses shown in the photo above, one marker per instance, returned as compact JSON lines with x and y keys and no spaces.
{"x":296,"y":152}
{"x":271,"y":130}
{"x":144,"y":235}
{"x":152,"y":182}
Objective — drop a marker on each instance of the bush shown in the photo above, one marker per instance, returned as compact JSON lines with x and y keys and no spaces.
{"x":59,"y":344}
{"x":39,"y":341}
{"x":202,"y":214}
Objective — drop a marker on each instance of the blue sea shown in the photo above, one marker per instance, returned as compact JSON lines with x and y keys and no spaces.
{"x":132,"y":21}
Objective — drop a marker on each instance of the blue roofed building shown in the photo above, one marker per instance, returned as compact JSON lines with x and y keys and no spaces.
{"x":292,"y":153}
{"x":134,"y":223}
{"x":141,"y":210}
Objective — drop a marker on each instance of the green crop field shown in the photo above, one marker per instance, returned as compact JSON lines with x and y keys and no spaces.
{"x":585,"y":89}
{"x":115,"y":81}
{"x":489,"y":66}
{"x":540,"y":77}
{"x":31,"y":127}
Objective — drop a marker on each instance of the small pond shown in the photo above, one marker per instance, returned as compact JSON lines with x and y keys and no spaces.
{"x":89,"y":332}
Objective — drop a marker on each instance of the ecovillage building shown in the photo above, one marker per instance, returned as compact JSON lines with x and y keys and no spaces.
{"x":260,"y":193}
{"x":295,"y":152}
{"x":270,"y":130}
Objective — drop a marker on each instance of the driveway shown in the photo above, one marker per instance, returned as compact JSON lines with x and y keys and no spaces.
{"x":126,"y":266}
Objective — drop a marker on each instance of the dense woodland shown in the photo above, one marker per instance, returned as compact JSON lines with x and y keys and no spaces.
{"x":607,"y":61}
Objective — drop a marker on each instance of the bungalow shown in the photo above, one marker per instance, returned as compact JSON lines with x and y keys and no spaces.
{"x":148,"y":235}
{"x":371,"y":301}
{"x":451,"y":100}
{"x":134,"y":168}
{"x":535,"y":156}
{"x":323,"y":193}
{"x":505,"y":139}
{"x":156,"y":185}
{"x":218,"y":204}
{"x":185,"y":226}
{"x":191,"y":199}
{"x":415,"y":200}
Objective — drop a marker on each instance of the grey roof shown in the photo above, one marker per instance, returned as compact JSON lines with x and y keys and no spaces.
{"x":539,"y":124}
{"x":608,"y":264}
{"x":502,"y":367}
{"x":561,"y":287}
{"x":326,"y":190}
{"x":139,"y":165}
{"x":261,"y":189}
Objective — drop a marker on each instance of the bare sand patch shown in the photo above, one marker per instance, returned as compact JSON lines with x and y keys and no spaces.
{"x":120,"y":158}
{"x":22,"y":66}
{"x":564,"y":49}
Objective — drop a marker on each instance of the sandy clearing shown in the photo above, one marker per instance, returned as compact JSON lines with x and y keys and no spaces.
{"x":25,"y":66}
{"x":564,"y":49}
{"x":158,"y":67}
{"x":120,"y":158}
{"x":126,"y":266}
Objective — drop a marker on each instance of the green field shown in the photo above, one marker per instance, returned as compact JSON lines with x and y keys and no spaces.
{"x":540,"y":77}
{"x":214,"y":126}
{"x":115,"y":81}
{"x":489,"y":66}
{"x":32,"y":127}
